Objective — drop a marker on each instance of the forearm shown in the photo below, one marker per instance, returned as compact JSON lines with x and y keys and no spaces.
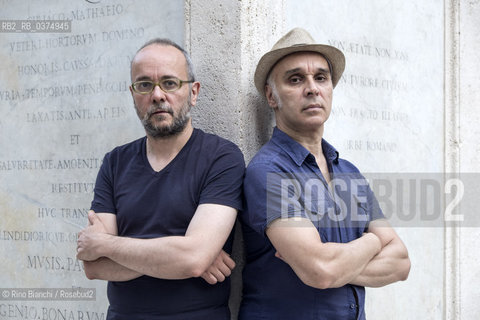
{"x":106,"y":269}
{"x":350,"y":259}
{"x":318,"y":264}
{"x":174,"y":257}
{"x":171,"y":257}
{"x":390,"y":265}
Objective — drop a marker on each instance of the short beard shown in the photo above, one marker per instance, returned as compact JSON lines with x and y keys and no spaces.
{"x":179,"y":123}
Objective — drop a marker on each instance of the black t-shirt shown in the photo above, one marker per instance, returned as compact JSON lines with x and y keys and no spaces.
{"x":151,"y":204}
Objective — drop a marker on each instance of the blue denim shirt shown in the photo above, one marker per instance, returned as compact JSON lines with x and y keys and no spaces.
{"x":283,"y":181}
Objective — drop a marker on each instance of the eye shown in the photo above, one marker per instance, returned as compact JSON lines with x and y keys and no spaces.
{"x":145,"y":84}
{"x":295,"y":79}
{"x":320,"y":77}
{"x":170,"y":84}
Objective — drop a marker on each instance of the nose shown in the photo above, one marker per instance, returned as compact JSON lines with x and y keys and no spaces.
{"x":311,"y":87}
{"x":158,"y":95}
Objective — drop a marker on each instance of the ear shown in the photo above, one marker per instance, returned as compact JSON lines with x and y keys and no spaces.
{"x":270,"y":97}
{"x":195,"y":89}
{"x":131,"y":90}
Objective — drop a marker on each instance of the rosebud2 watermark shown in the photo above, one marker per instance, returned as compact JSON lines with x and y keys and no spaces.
{"x":404,"y":199}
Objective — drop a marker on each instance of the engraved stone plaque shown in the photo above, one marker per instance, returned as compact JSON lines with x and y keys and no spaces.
{"x":64,"y":103}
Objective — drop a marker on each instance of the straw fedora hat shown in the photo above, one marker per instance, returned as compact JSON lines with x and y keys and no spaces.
{"x":297,"y":40}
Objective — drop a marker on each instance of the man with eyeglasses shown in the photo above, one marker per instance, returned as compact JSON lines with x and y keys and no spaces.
{"x":164,"y":205}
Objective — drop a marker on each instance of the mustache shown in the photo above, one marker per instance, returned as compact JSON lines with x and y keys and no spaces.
{"x":159,"y":108}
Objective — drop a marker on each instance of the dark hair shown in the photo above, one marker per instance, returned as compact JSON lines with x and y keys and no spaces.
{"x":168,"y":42}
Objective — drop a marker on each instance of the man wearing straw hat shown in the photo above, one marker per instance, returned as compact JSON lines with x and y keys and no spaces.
{"x":315,"y":235}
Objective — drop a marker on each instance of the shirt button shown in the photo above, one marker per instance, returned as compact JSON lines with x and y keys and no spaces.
{"x":353,"y":306}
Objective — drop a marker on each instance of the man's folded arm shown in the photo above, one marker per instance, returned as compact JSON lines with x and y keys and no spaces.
{"x":317,"y":264}
{"x":391,"y":264}
{"x":172,"y":257}
{"x":104,"y":268}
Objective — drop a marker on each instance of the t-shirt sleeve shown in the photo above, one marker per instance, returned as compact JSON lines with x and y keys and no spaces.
{"x":225,"y":178}
{"x":103,"y":200}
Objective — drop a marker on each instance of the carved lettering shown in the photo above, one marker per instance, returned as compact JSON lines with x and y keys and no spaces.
{"x":373,"y":82}
{"x":54,"y":263}
{"x":73,"y":65}
{"x":125,"y":34}
{"x":15,"y":310}
{"x":366,"y":49}
{"x":368,"y":113}
{"x":9,"y":95}
{"x":371,"y":145}
{"x":46,"y":212}
{"x":49,"y":164}
{"x":72,"y":187}
{"x":75,"y":115}
{"x":36,"y":236}
{"x":98,"y":12}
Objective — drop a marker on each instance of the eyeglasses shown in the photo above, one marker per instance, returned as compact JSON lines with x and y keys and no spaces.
{"x":166,"y":85}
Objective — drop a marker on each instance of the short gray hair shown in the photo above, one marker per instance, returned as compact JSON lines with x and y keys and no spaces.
{"x":168,"y":42}
{"x":273,"y":86}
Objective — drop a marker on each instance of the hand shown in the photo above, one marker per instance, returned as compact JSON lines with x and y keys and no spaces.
{"x":90,"y":238}
{"x":220,"y":269}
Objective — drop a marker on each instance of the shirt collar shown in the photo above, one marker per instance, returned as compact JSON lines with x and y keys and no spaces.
{"x":299,"y":153}
{"x":330,"y":152}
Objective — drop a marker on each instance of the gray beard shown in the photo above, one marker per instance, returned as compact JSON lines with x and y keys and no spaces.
{"x":179,"y":123}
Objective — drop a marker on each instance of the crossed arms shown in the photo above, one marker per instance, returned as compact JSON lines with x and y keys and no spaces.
{"x":199,"y":253}
{"x":376,"y":259}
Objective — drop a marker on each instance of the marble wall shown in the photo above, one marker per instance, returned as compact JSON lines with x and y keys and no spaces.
{"x":64,"y":102}
{"x":387,"y":117}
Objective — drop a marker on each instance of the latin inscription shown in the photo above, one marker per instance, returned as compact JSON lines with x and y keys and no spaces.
{"x":73,"y":115}
{"x":38,"y":235}
{"x":76,"y":40}
{"x":63,"y":213}
{"x":364,"y":81}
{"x":96,"y":87}
{"x":377,"y":102}
{"x":75,"y":65}
{"x":59,"y":94}
{"x":83,"y":14}
{"x":50,"y":164}
{"x":366,"y":49}
{"x":370,"y":113}
{"x":12,"y":310}
{"x":372,"y":145}
{"x":54,"y":263}
{"x":72,"y":187}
